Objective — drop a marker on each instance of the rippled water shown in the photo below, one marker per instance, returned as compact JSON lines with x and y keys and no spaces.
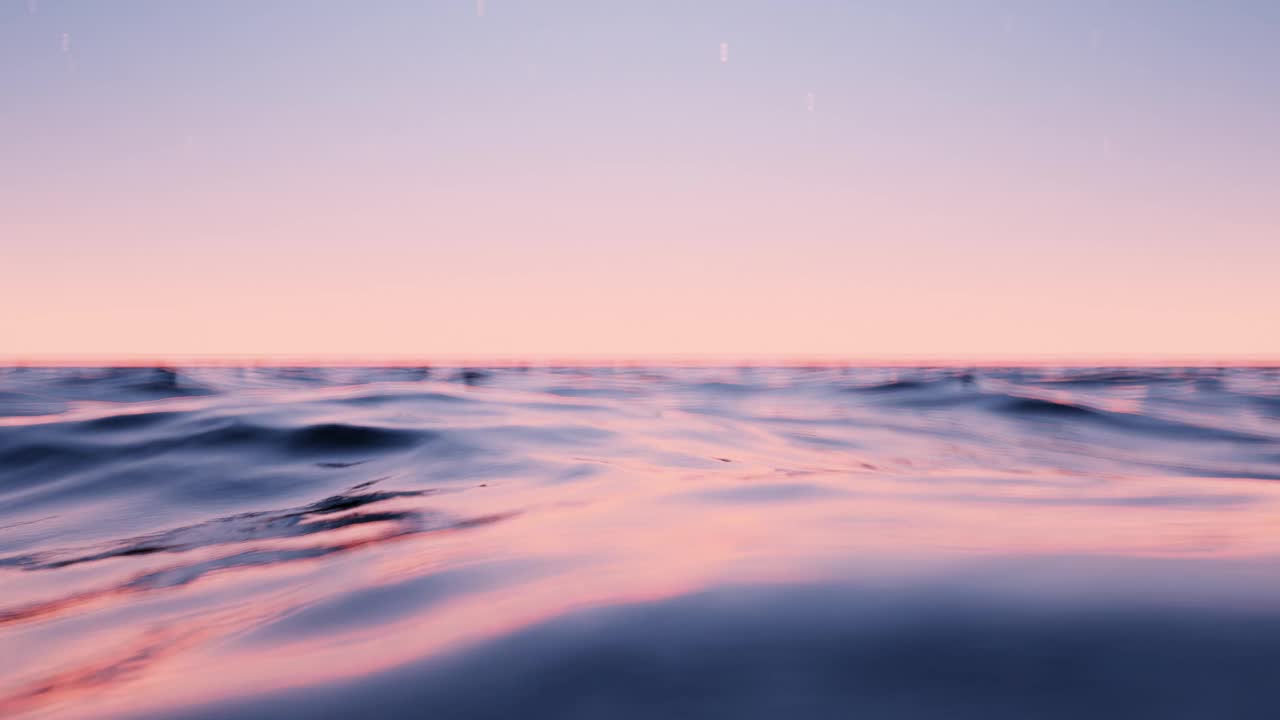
{"x":639,"y":542}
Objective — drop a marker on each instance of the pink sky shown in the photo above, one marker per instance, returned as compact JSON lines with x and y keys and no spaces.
{"x":559,"y":181}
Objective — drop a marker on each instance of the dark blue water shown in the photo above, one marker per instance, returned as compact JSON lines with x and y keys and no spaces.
{"x":640,"y":542}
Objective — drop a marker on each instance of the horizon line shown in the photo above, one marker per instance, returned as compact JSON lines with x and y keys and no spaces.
{"x":498,"y":360}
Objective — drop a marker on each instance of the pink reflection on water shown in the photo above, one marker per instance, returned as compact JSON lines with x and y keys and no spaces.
{"x":628,"y":489}
{"x":657,"y":541}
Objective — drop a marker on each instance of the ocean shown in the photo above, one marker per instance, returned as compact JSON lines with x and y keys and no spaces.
{"x":639,"y":541}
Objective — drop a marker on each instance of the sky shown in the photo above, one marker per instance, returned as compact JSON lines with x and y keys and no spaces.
{"x":837,"y":178}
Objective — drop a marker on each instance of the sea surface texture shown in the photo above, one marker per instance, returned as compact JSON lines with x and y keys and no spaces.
{"x":640,"y":542}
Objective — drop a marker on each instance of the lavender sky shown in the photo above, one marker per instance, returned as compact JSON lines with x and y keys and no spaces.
{"x":640,"y":177}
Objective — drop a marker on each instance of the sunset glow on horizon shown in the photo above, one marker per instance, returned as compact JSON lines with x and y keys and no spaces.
{"x":633,"y":179}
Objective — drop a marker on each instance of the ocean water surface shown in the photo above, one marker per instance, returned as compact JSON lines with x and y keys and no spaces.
{"x":631,"y":542}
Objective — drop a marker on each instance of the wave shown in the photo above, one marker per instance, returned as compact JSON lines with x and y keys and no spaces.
{"x":324,"y":518}
{"x":832,"y":651}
